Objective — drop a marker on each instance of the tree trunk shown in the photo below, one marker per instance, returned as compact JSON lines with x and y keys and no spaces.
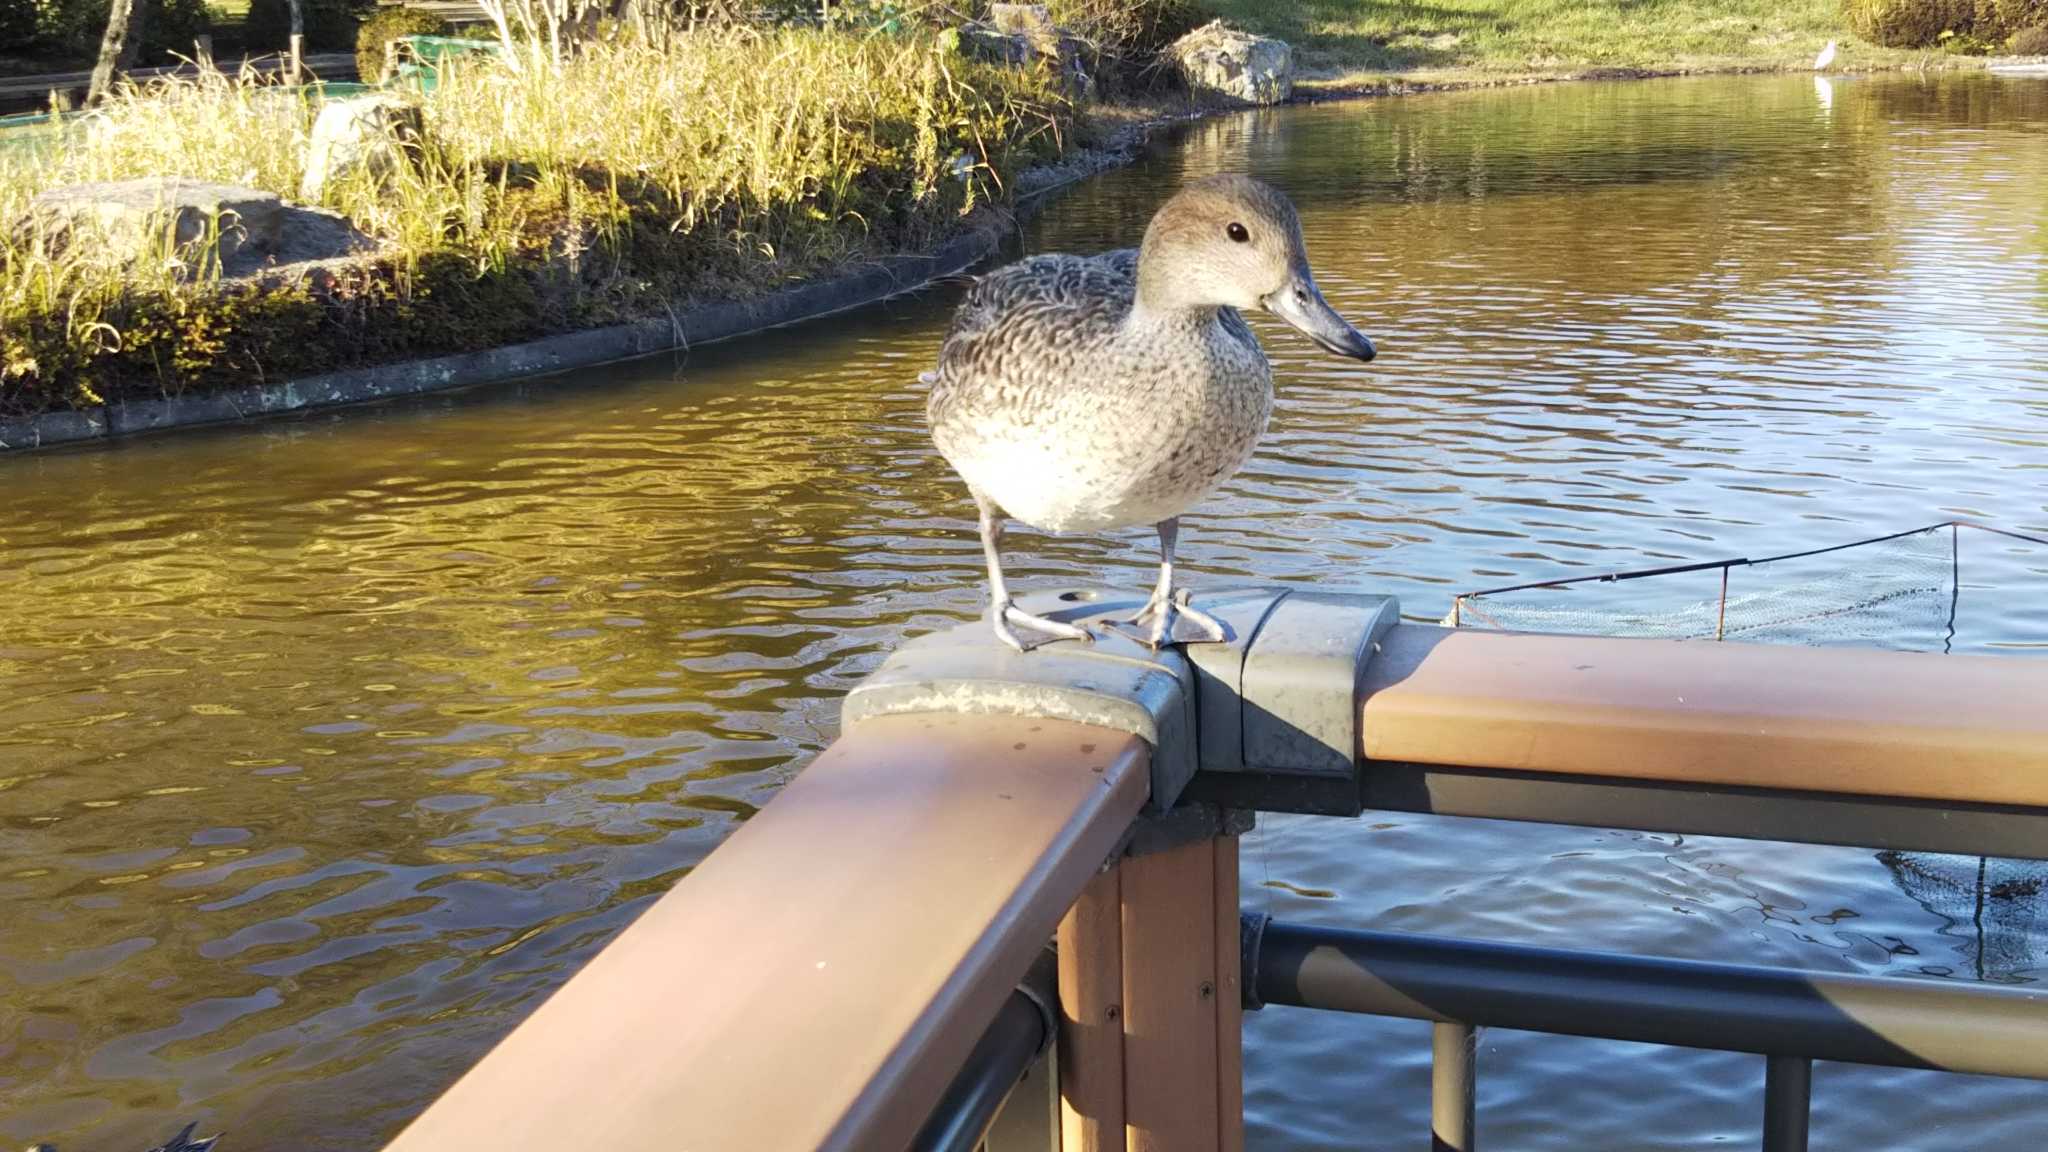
{"x":117,"y":48}
{"x":297,"y":43}
{"x":138,"y":31}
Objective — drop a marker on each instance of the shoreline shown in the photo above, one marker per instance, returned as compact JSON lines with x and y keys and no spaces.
{"x":585,"y":348}
{"x":870,"y":283}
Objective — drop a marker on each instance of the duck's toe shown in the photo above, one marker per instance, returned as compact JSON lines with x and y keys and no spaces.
{"x":1191,"y":625}
{"x":1173,"y":620}
{"x":1037,"y":631}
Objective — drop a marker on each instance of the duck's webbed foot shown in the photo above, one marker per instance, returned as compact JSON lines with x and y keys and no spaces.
{"x":1038,"y":630}
{"x":1171,"y":619}
{"x":1167,"y":617}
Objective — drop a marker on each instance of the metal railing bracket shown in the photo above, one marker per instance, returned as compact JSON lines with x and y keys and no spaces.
{"x":1289,"y":690}
{"x":1113,"y":683}
{"x":1281,"y":696}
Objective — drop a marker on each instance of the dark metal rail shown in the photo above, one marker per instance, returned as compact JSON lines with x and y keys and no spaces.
{"x":1024,"y":1028}
{"x":1802,"y":817}
{"x":1789,"y":1016}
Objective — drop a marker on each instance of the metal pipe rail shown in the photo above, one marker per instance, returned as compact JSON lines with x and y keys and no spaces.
{"x":1791,"y":1017}
{"x":1024,"y":1028}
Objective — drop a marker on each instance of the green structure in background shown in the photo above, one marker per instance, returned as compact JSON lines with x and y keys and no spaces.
{"x":421,"y":58}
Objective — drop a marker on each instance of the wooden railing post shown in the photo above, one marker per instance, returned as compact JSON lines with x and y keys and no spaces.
{"x":1229,"y":1002}
{"x":1151,"y":1047}
{"x":1091,"y":1041}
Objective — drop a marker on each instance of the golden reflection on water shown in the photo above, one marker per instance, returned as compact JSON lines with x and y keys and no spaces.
{"x":328,"y":747}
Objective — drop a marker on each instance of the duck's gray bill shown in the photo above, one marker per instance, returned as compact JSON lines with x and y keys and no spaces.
{"x":1302,"y":305}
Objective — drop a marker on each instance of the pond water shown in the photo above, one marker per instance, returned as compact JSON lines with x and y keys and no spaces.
{"x":329,"y":747}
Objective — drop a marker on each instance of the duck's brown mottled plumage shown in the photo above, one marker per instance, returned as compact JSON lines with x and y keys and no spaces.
{"x":1081,"y":393}
{"x":1071,"y":418}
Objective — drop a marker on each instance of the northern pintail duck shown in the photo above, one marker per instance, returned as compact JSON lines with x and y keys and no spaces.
{"x":1079,"y":394}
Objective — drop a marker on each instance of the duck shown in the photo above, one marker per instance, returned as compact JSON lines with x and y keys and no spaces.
{"x":1086,"y":394}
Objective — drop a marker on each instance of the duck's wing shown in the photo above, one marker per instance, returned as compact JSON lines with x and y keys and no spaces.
{"x":1035,"y":311}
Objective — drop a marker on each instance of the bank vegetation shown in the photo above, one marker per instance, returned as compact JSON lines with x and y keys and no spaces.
{"x":619,"y":181}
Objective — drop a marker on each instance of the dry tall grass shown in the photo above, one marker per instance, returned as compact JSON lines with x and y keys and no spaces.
{"x":726,"y":159}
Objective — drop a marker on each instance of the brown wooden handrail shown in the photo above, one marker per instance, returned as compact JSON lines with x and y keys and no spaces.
{"x":818,"y":980}
{"x":1966,"y":729}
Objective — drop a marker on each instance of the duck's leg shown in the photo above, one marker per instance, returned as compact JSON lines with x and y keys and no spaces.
{"x":1003,"y":612}
{"x":1168,"y":618}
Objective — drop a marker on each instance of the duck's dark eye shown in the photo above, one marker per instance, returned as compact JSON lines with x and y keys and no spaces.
{"x":1238,"y":233}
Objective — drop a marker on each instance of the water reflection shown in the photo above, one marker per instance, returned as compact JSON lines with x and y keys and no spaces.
{"x":327,"y":748}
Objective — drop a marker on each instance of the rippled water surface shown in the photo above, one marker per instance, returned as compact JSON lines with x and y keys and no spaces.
{"x":328,"y":747}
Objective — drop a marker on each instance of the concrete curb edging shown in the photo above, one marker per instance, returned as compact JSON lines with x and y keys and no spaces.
{"x":890,"y":276}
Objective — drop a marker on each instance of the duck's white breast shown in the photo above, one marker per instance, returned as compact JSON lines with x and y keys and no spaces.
{"x":1073,"y":415}
{"x":1132,"y":442}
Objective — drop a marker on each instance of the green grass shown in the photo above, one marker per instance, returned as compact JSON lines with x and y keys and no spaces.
{"x":1349,"y":40}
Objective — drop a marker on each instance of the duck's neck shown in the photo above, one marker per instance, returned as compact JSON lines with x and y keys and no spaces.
{"x":1157,"y":308}
{"x":1147,"y":318}
{"x":1161,"y":293}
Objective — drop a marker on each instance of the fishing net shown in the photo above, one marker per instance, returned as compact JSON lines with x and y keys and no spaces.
{"x":1946,"y":587}
{"x":1903,"y":591}
{"x":1996,"y":909}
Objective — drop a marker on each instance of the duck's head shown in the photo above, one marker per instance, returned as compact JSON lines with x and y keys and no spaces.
{"x":1232,"y":242}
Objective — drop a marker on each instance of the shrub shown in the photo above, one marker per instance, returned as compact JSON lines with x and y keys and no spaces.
{"x":330,"y":24}
{"x":1908,"y":23}
{"x":1129,"y":29}
{"x":17,"y":26}
{"x":2030,"y":42}
{"x":2015,"y":16}
{"x":1126,"y":36}
{"x":72,"y":28}
{"x":172,"y":27}
{"x":387,"y":25}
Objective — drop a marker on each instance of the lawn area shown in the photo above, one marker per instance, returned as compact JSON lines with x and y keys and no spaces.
{"x":1342,"y":41}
